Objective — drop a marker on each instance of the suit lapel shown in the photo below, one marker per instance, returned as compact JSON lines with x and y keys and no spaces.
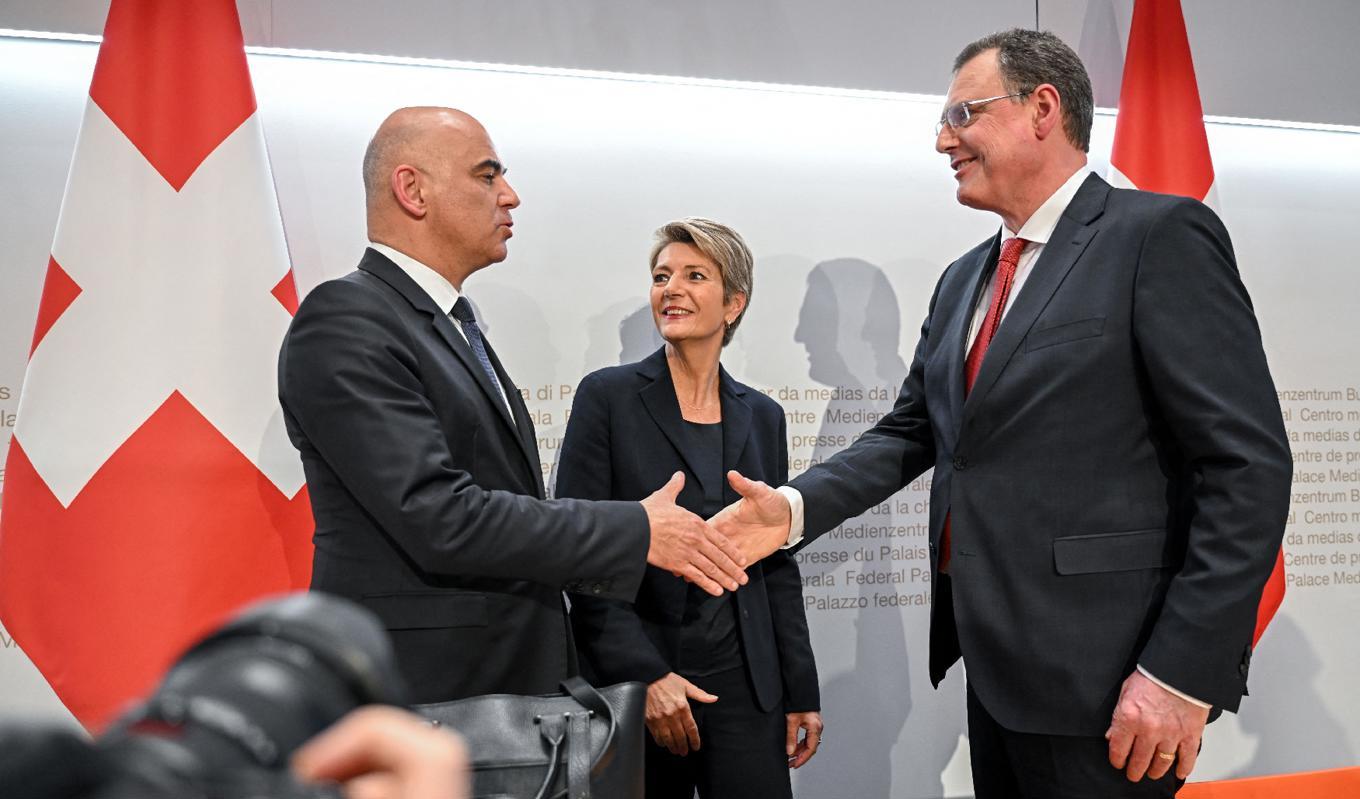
{"x":1069,"y":240}
{"x":736,"y":427}
{"x":524,"y":426}
{"x":956,"y":334}
{"x":658,"y":397}
{"x":444,"y":326}
{"x":381,"y":267}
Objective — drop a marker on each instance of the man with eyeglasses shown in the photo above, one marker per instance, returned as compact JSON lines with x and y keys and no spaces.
{"x":1111,"y":469}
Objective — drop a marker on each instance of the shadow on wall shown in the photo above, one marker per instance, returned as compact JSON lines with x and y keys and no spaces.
{"x":621,"y":333}
{"x":763,"y":353}
{"x":636,"y":336}
{"x":1291,"y":708}
{"x":850,"y":325}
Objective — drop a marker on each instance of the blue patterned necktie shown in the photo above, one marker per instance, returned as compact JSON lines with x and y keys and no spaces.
{"x":462,"y":311}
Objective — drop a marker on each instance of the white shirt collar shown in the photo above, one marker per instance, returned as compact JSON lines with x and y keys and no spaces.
{"x":1039,"y":227}
{"x":431,"y":282}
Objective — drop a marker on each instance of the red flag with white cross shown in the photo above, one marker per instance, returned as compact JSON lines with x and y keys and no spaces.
{"x":150,"y":487}
{"x":1160,"y":145}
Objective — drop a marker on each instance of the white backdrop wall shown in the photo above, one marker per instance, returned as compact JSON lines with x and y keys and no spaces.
{"x":851,"y":215}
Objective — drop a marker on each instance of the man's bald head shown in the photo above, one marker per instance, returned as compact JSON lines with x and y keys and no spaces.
{"x":435,"y":189}
{"x":409,"y":135}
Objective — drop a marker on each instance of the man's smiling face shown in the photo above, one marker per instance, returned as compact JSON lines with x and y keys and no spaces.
{"x":991,"y":154}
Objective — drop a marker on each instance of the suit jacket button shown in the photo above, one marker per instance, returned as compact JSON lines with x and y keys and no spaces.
{"x":960,"y":463}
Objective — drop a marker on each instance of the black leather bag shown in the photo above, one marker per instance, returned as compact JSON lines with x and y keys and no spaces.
{"x":584,"y":744}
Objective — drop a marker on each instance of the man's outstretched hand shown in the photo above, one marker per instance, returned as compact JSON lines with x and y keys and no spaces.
{"x":688,"y":547}
{"x":758,"y":523}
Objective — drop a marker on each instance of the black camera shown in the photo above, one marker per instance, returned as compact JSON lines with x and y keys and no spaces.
{"x":227,"y":716}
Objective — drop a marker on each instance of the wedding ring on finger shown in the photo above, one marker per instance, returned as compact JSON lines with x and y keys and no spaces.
{"x":1166,"y":755}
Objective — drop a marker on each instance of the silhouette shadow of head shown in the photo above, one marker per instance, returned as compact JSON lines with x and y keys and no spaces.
{"x":638,"y":336}
{"x":850,"y":325}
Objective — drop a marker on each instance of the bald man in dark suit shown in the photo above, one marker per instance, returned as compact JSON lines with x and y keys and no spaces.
{"x":420,"y":455}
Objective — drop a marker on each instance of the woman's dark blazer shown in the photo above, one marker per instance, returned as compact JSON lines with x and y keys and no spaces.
{"x":625,"y":438}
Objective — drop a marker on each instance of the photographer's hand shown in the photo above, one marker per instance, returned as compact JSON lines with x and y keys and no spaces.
{"x":381,"y":752}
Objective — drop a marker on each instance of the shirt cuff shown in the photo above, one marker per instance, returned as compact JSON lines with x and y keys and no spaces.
{"x":795,"y":515}
{"x":1192,"y":700}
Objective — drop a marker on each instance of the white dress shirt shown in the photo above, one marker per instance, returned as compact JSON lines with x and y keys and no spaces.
{"x":1037,"y":230}
{"x":440,"y":290}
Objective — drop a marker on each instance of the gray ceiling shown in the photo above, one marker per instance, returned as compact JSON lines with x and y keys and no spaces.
{"x":1255,"y":58}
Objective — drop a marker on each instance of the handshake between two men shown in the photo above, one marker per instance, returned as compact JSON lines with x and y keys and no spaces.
{"x":714,"y":554}
{"x":1107,"y":501}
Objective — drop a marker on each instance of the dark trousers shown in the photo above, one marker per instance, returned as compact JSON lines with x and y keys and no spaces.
{"x":1018,"y":765}
{"x":741,"y":748}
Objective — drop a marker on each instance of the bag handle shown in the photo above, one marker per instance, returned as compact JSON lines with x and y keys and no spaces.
{"x":578,"y":755}
{"x":592,"y":700}
{"x":552,"y":728}
{"x":579,"y":767}
{"x":575,"y":728}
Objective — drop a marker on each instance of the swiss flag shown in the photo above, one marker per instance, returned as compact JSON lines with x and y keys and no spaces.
{"x":1160,"y":145}
{"x":150,"y":488}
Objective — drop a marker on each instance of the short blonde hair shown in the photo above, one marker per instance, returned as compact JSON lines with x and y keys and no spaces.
{"x":721,"y":244}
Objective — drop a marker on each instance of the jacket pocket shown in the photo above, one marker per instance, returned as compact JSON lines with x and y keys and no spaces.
{"x":1111,"y":552}
{"x":1062,"y":333}
{"x":428,"y":610}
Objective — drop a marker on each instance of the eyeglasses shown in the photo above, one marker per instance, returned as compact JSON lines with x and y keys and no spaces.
{"x":959,"y":115}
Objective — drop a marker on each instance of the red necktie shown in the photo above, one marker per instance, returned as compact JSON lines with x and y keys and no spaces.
{"x":1001,"y":290}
